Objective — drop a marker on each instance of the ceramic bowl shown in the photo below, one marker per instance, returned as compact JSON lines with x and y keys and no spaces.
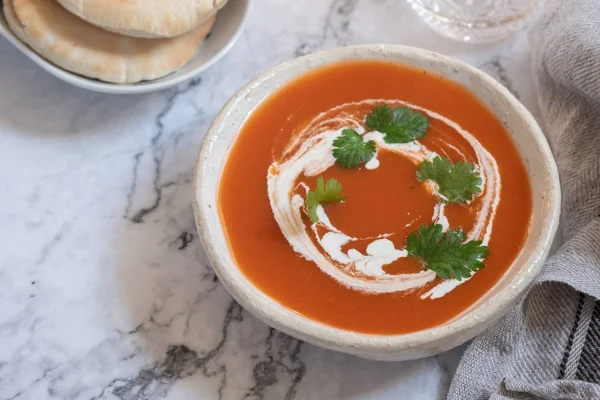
{"x":228,"y":27}
{"x":525,"y":133}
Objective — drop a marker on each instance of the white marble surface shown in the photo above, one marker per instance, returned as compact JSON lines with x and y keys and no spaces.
{"x":105,"y":292}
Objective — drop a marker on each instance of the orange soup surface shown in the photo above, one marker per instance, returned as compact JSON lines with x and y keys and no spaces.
{"x":351,"y":269}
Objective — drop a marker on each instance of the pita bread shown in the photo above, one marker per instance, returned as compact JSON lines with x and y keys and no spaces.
{"x":145,"y":18}
{"x":77,"y":46}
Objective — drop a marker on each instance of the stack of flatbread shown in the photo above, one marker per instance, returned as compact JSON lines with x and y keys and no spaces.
{"x":114,"y":40}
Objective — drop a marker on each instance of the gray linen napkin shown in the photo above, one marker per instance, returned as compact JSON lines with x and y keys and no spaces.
{"x":549,"y":346}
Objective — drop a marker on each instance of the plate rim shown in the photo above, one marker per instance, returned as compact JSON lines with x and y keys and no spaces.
{"x":123,"y":88}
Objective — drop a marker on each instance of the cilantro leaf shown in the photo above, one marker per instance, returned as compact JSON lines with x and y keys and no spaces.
{"x":324,"y":193}
{"x":456,"y":183}
{"x":400,"y":125}
{"x":350,"y":150}
{"x":445,"y":253}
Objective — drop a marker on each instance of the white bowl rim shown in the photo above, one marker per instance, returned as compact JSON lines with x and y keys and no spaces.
{"x":376,"y":346}
{"x":120,"y":88}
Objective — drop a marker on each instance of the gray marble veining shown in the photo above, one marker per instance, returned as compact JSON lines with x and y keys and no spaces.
{"x":105,"y":291}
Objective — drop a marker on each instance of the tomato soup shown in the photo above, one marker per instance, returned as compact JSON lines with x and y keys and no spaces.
{"x":374,"y":198}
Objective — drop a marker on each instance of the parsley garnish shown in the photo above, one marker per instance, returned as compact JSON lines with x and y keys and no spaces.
{"x":445,"y":253}
{"x":324,"y":193}
{"x":350,"y":150}
{"x":456,"y":183}
{"x":400,"y":125}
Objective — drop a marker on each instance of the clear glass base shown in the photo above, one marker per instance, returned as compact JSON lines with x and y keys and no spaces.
{"x":476,"y":21}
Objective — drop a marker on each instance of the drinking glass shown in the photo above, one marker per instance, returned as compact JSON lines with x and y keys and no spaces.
{"x":476,"y":21}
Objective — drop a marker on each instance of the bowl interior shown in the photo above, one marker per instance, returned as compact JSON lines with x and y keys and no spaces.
{"x":525,"y":133}
{"x":228,"y":26}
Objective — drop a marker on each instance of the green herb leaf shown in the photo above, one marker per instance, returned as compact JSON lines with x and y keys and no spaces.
{"x":350,"y":150}
{"x":445,"y":253}
{"x":324,"y":193}
{"x":456,"y":183}
{"x":400,"y":125}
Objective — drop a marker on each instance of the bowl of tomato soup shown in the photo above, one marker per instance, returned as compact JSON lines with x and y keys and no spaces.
{"x":383,"y":201}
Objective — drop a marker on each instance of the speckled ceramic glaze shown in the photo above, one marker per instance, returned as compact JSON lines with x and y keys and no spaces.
{"x":523,"y":129}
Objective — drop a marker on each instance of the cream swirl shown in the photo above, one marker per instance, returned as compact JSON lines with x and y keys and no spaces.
{"x":309,"y":153}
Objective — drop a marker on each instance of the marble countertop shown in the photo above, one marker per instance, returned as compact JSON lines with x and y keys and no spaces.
{"x":105,"y":291}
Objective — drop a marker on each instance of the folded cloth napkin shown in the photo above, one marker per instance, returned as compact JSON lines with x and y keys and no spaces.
{"x":548,"y":347}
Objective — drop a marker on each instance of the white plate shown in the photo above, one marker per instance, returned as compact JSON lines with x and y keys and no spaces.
{"x":227,"y":29}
